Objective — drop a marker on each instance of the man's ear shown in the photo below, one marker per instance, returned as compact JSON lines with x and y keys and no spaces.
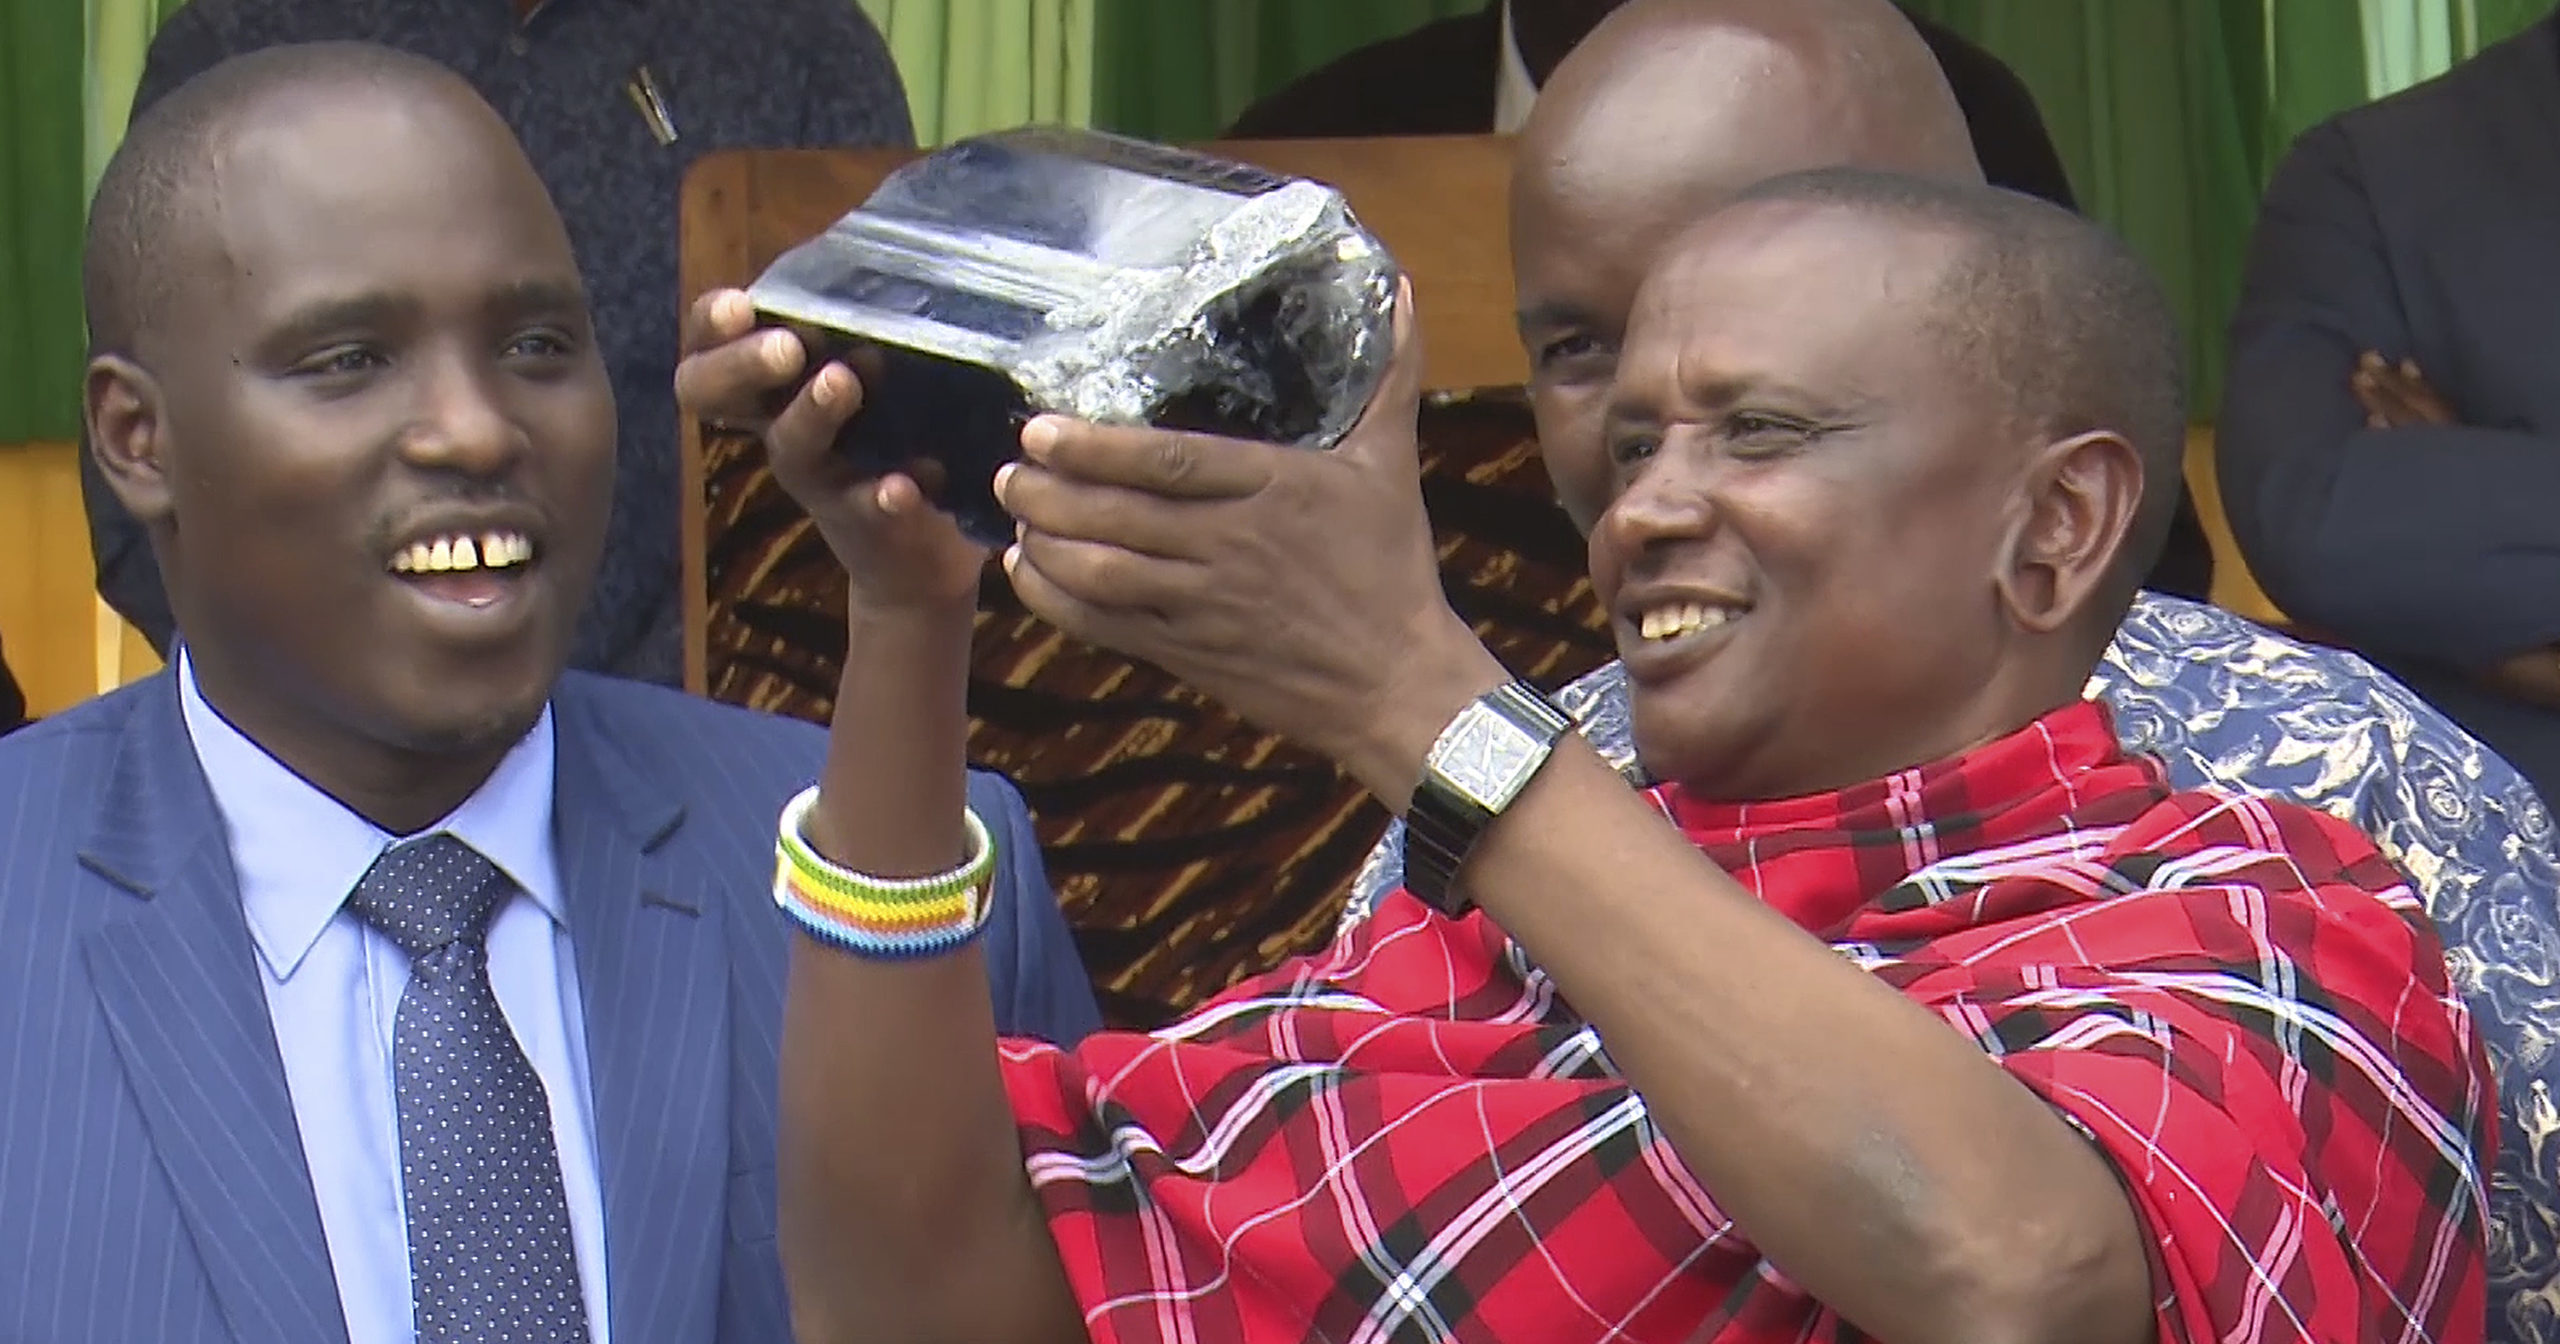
{"x":2082,"y":496}
{"x":128,"y":432}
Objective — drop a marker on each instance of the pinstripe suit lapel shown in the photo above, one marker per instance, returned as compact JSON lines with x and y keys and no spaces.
{"x":178,"y":980}
{"x":653,"y":969}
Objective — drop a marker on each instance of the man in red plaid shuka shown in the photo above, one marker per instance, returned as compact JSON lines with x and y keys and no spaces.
{"x":1928,"y":1016}
{"x":1415,"y":1137}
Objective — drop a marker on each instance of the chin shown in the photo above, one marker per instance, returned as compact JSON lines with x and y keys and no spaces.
{"x":453,"y":717}
{"x":493,"y":729}
{"x":1675,"y":750}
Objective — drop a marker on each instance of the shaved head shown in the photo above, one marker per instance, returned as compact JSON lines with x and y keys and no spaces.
{"x":337,"y":326}
{"x":2053,"y":318}
{"x":1910,"y":438}
{"x":145,"y":220}
{"x":1667,"y":110}
{"x":1698,"y":99}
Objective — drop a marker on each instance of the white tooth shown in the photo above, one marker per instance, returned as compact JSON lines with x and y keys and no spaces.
{"x":521,"y":547}
{"x":465,"y":554}
{"x":440,"y":559}
{"x":400,"y":563}
{"x":1691,"y":616}
{"x":417,"y":558}
{"x":1650,"y":625}
{"x":493,"y":551}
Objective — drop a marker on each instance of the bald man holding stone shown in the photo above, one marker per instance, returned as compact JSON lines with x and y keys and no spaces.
{"x":1908,"y":1007}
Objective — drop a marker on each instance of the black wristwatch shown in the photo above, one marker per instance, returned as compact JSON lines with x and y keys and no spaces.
{"x":1482,"y":761}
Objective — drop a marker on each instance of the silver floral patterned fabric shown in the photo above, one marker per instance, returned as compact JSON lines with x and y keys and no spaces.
{"x":2230,"y":705}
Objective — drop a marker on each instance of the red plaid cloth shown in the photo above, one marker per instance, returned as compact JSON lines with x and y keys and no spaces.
{"x":1413,"y":1137}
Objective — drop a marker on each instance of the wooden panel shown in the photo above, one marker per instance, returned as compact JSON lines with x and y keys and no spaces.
{"x":48,"y":601}
{"x":2234,"y":588}
{"x":1439,"y":203}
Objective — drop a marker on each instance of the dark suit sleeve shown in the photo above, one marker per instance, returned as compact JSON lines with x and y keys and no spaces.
{"x":1040,"y":983}
{"x":853,"y":95}
{"x":2438,"y":544}
{"x":128,"y":576}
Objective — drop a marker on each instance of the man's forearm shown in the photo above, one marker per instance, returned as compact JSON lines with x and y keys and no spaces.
{"x":2428,"y":542}
{"x":905,"y":1211}
{"x":1870,"y":1152}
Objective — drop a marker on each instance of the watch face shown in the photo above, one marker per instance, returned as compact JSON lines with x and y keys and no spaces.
{"x":1487,"y":757}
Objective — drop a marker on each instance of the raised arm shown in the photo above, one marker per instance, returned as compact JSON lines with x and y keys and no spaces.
{"x":2423,"y":540}
{"x":905,"y":1212}
{"x":1875,"y":1156}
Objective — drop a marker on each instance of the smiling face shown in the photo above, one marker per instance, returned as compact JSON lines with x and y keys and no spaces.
{"x":1809,"y":505}
{"x":369,"y":428}
{"x":1669,"y":108}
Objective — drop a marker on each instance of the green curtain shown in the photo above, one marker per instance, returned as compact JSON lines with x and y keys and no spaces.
{"x":981,"y":65}
{"x":70,"y":67}
{"x":1180,"y":70}
{"x":2411,"y":40}
{"x":118,"y":38}
{"x":2169,"y":115}
{"x":40,"y":217}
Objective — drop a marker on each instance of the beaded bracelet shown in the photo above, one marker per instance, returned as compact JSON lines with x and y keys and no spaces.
{"x":881,"y":918}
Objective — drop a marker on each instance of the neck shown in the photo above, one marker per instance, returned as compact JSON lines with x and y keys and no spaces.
{"x":2009,"y":702}
{"x":404,"y":789}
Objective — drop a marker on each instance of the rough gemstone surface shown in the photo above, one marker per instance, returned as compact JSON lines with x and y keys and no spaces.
{"x":1094,"y":276}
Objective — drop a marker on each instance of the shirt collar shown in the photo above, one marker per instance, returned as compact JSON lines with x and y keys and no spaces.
{"x":299,"y":852}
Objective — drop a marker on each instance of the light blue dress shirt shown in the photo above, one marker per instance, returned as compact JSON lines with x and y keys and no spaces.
{"x":333,"y":988}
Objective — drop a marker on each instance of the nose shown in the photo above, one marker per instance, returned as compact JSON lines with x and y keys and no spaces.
{"x":1670,"y":500}
{"x":461,"y":423}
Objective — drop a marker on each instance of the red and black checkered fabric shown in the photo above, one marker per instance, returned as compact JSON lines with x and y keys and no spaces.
{"x":1412,"y":1137}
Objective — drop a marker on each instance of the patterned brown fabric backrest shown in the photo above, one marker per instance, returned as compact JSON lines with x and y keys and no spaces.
{"x":1189,"y":848}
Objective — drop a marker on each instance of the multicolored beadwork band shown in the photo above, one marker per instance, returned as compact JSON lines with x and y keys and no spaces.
{"x":882,"y":918}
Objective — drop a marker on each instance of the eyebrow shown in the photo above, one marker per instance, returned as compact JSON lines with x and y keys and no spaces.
{"x":384,"y":308}
{"x":315,"y":320}
{"x":1723,"y":392}
{"x":1542,"y":316}
{"x":539,"y":296}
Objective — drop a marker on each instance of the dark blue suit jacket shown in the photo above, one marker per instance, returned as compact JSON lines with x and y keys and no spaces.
{"x":152,"y":1186}
{"x":2420,"y":227}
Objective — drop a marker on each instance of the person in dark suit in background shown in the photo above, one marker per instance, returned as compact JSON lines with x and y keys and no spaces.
{"x":613,"y":100}
{"x":363,"y":976}
{"x":1480,"y":73}
{"x":2390,"y":438}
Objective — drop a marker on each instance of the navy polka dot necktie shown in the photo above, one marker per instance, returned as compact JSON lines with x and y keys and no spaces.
{"x":490,"y":1258}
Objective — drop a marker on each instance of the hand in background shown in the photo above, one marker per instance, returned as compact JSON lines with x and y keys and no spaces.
{"x":2532,"y":676}
{"x":897,"y":549}
{"x":1299,"y":588}
{"x":2397,"y":396}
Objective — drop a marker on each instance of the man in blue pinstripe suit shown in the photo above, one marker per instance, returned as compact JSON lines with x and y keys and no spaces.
{"x":343,"y":369}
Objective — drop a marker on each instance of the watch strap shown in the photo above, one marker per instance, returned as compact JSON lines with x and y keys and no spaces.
{"x":1444,"y":823}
